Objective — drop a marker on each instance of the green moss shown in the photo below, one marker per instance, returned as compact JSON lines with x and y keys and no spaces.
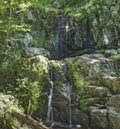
{"x":30,"y":83}
{"x":29,"y":78}
{"x":85,"y":103}
{"x":8,"y":122}
{"x":56,"y":65}
{"x":57,"y":70}
{"x":75,"y":73}
{"x":77,"y":110}
{"x":115,"y":57}
{"x":58,"y":87}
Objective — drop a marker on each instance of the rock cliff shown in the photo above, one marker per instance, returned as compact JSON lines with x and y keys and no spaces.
{"x":91,"y":82}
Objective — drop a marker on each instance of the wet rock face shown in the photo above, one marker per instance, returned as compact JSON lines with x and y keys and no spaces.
{"x":101,"y":31}
{"x":59,"y":47}
{"x":80,"y":37}
{"x":62,"y":92}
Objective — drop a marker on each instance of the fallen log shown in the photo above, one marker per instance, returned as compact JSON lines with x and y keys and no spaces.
{"x":28,"y":120}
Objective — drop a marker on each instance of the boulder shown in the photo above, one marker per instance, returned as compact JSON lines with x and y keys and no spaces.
{"x":96,"y":91}
{"x":114,"y":103}
{"x":110,"y":52}
{"x":114,"y":119}
{"x":97,"y":64}
{"x":27,"y":40}
{"x":81,"y":118}
{"x":113,"y":106}
{"x":93,"y":65}
{"x":112,"y":83}
{"x":5,"y":101}
{"x":33,"y":51}
{"x":30,"y":16}
{"x":99,"y":119}
{"x":89,"y":101}
{"x":39,"y":59}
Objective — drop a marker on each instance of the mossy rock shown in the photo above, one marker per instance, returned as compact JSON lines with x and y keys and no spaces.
{"x":58,"y":71}
{"x":90,"y":101}
{"x":115,"y":57}
{"x":112,"y":82}
{"x":96,"y":91}
{"x":75,"y":72}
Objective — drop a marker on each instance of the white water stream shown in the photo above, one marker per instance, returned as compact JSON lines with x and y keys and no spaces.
{"x":50,"y":108}
{"x":67,"y":91}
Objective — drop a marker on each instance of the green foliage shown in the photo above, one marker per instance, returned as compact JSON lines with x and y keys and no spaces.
{"x":10,"y":22}
{"x":30,"y":91}
{"x":116,"y":57}
{"x":74,"y":73}
{"x":8,"y":122}
{"x":85,"y":103}
{"x":41,"y":42}
{"x":57,"y":66}
{"x":20,"y":77}
{"x":25,"y":80}
{"x":30,"y":82}
{"x":45,"y":12}
{"x":57,"y":70}
{"x":44,"y":4}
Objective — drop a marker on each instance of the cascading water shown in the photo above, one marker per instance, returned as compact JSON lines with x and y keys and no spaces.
{"x":59,"y":49}
{"x":50,"y":109}
{"x":70,"y":111}
{"x":66,"y":46}
{"x":67,"y":91}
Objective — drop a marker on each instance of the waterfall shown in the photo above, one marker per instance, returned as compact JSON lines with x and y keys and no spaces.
{"x":70,"y":111}
{"x":66,"y":46}
{"x":59,"y":48}
{"x":67,"y":91}
{"x":50,"y":109}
